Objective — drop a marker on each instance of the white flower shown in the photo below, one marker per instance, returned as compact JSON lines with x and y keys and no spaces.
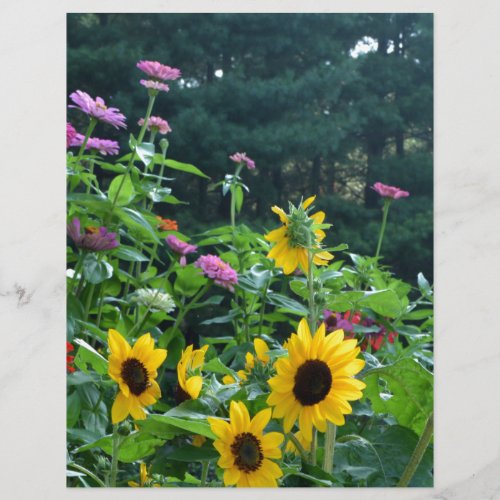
{"x":154,"y":299}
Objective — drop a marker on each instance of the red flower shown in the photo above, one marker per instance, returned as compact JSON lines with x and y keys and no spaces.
{"x":69,"y":359}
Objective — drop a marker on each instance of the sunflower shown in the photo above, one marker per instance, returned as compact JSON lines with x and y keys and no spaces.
{"x":261,"y":349}
{"x":134,"y":370}
{"x":244,"y":448}
{"x":291,"y":448}
{"x":189,"y":387}
{"x":291,"y":240}
{"x":315,"y":381}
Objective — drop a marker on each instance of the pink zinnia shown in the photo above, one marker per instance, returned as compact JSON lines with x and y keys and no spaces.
{"x":104,"y":146}
{"x":97,"y":109}
{"x":159,"y":71}
{"x":95,"y":239}
{"x":389,"y":191}
{"x":242,"y":157}
{"x":158,"y":123}
{"x":70,"y":134}
{"x":153,"y":84}
{"x":180,"y":247}
{"x":215,"y":268}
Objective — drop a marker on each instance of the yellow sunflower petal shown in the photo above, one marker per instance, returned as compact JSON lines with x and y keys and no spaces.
{"x":259,"y":422}
{"x":193,"y":386}
{"x":221,"y":429}
{"x":351,"y":368}
{"x":318,"y":418}
{"x":228,"y":379}
{"x":154,"y":389}
{"x":143,"y":347}
{"x":291,"y":417}
{"x":276,"y":234}
{"x":243,"y":481}
{"x":226,"y":460}
{"x":118,"y":345}
{"x":291,"y":260}
{"x":318,"y":217}
{"x":303,"y":260}
{"x":136,"y":410}
{"x":271,"y":468}
{"x":272,"y":441}
{"x":307,"y":203}
{"x":146,"y":399}
{"x":261,"y":348}
{"x":305,"y":422}
{"x":231,"y":476}
{"x":120,"y":409}
{"x":277,"y":249}
{"x":282,"y":215}
{"x":155,"y":359}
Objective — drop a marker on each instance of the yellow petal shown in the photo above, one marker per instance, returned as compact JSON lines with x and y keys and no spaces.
{"x":305,"y":423}
{"x":259,"y":422}
{"x":143,"y":347}
{"x":226,"y":460}
{"x":193,"y":386}
{"x":271,"y":468}
{"x":121,"y":408}
{"x":291,"y":417}
{"x":308,"y":202}
{"x":318,"y":217}
{"x":279,"y":211}
{"x":272,"y":441}
{"x":276,"y":234}
{"x":136,"y":410}
{"x":221,"y":429}
{"x":291,"y":261}
{"x":231,"y":476}
{"x":261,"y":348}
{"x":118,"y":345}
{"x":228,"y":379}
{"x":155,"y":359}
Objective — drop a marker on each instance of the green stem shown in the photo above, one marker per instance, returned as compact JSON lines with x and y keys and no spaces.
{"x":78,"y":266}
{"x":204,"y":473}
{"x":387,"y":202}
{"x":186,"y":308}
{"x":329,"y":451}
{"x":138,"y":326}
{"x":100,"y":301}
{"x":91,"y":170}
{"x":233,"y":195}
{"x":300,"y":448}
{"x":310,"y":283}
{"x":313,"y":446}
{"x":418,"y":453}
{"x":90,"y":129}
{"x":87,"y":472}
{"x":88,"y":301}
{"x":114,"y":457}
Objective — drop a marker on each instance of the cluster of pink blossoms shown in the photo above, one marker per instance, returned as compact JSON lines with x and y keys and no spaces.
{"x":70,"y":134}
{"x":215,"y":268}
{"x":180,"y":247}
{"x":158,"y":73}
{"x":156,"y":123}
{"x":389,"y":191}
{"x":242,"y":157}
{"x":97,"y":109}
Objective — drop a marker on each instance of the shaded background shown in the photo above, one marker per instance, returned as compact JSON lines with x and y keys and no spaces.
{"x":324,"y":103}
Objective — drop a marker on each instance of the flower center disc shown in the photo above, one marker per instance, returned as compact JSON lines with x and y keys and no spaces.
{"x":313,"y":381}
{"x":135,"y":375}
{"x":247,"y":451}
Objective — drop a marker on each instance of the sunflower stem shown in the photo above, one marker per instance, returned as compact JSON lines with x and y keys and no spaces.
{"x":418,"y":453}
{"x":310,"y":283}
{"x":314,"y":445}
{"x":114,"y":457}
{"x":329,"y":451}
{"x":387,"y":202}
{"x":204,"y":473}
{"x":300,"y":448}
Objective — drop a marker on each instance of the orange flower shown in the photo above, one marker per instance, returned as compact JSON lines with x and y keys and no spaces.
{"x":167,"y":224}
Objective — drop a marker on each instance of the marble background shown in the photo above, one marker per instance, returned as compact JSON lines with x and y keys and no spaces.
{"x":32,"y":269}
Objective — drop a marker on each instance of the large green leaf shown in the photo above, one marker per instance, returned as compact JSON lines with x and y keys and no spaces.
{"x":184,"y":167}
{"x":403,"y":389}
{"x":146,"y":152}
{"x":86,"y":354}
{"x":122,"y":187}
{"x":198,"y":426}
{"x":383,"y":302}
{"x":189,"y":280}
{"x":287,"y":303}
{"x":130,"y":254}
{"x":191,"y":453}
{"x":96,"y":270}
{"x":136,"y":222}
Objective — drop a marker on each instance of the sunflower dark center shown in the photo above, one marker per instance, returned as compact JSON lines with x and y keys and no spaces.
{"x":181,"y":395}
{"x":313,"y":381}
{"x":247,"y":451}
{"x":135,"y":375}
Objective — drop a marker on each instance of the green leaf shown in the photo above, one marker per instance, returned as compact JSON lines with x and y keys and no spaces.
{"x":95,"y":270}
{"x":190,"y":426}
{"x":423,"y":284}
{"x":146,"y":152}
{"x":88,"y":355}
{"x":287,"y":303}
{"x":122,"y":186}
{"x":74,"y":312}
{"x":135,"y":221}
{"x":191,"y":453}
{"x":217,"y":366}
{"x":238,"y":193}
{"x":73,"y":407}
{"x":404,"y":390}
{"x":184,"y":167}
{"x":299,"y":287}
{"x":130,"y":254}
{"x":158,"y":194}
{"x":189,"y":280}
{"x":133,"y":447}
{"x":383,"y":302}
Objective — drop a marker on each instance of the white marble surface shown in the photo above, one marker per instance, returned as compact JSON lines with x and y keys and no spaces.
{"x":32,"y":288}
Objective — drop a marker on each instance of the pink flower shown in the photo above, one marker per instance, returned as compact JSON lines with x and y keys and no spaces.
{"x":155,"y":122}
{"x":152,"y":84}
{"x":180,"y":247}
{"x":70,"y":134}
{"x":242,"y":157}
{"x":159,"y":71}
{"x":215,"y":268}
{"x":97,"y":109}
{"x":104,"y":146}
{"x":389,"y":191}
{"x":95,"y":239}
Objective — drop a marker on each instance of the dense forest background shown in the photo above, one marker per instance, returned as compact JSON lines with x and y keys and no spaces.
{"x":325,"y":104}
